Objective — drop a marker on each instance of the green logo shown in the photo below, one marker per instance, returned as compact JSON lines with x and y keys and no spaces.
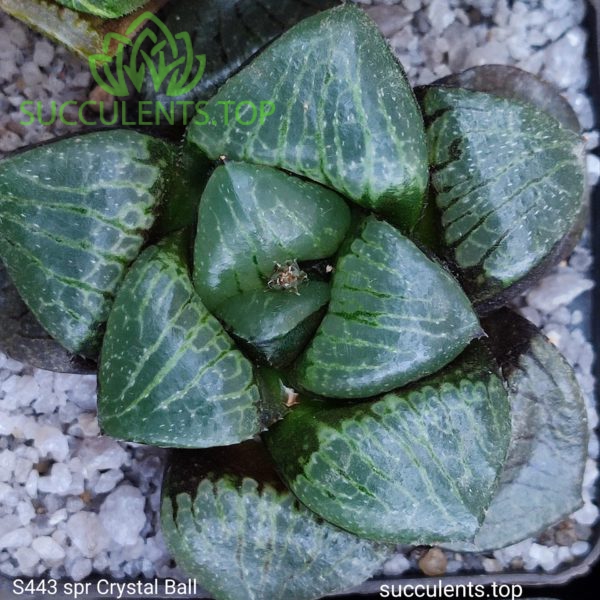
{"x":164,"y":58}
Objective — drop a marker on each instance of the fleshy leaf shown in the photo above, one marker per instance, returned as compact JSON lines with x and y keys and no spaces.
{"x":250,"y":218}
{"x":343,"y":114}
{"x":107,"y":9}
{"x":73,"y":215}
{"x":510,"y":187}
{"x":395,"y":316}
{"x":515,"y":84}
{"x":82,"y":33}
{"x":228,"y":33}
{"x":231,"y":524}
{"x":275,"y":325}
{"x":416,"y":466}
{"x":180,"y":208}
{"x":542,"y":479}
{"x":169,"y":374}
{"x":22,"y":338}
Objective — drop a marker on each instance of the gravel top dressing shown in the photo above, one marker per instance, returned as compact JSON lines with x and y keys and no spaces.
{"x":74,"y":503}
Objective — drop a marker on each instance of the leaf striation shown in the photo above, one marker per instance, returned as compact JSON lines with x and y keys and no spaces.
{"x":395,"y":316}
{"x":416,"y":466}
{"x":509,"y":181}
{"x":68,"y":235}
{"x":169,"y":374}
{"x":243,"y":536}
{"x":543,"y":475}
{"x":345,"y":115}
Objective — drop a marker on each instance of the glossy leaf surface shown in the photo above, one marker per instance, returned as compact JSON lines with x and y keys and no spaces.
{"x":276,"y":324}
{"x":232,"y":525}
{"x":73,"y":215}
{"x":542,"y":479}
{"x":228,"y":33}
{"x":169,"y":374}
{"x":395,"y":316}
{"x":417,"y":466}
{"x":344,"y":114}
{"x":107,"y":9}
{"x":509,"y":182}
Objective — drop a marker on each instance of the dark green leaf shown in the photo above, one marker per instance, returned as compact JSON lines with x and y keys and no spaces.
{"x":395,"y":316}
{"x":107,"y":9}
{"x":542,"y":478}
{"x":419,"y":465}
{"x":228,"y":33}
{"x":516,"y":84}
{"x":344,"y":114}
{"x":252,"y":217}
{"x":510,"y":186}
{"x":180,"y":208}
{"x":169,"y":374}
{"x":23,"y":338}
{"x":276,"y":325}
{"x":232,"y":525}
{"x":73,"y":215}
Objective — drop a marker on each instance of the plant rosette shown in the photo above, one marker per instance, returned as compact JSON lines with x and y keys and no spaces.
{"x":290,"y":279}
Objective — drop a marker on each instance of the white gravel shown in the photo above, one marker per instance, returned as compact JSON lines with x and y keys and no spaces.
{"x":73,"y":502}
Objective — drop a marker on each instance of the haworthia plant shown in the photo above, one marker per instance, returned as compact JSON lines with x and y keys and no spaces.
{"x":344,"y":114}
{"x":417,"y":466}
{"x":542,"y":478}
{"x":231,"y":524}
{"x":22,"y":338}
{"x":108,"y":9}
{"x":228,"y":33}
{"x":252,"y":218}
{"x":509,"y":182}
{"x":68,"y":234}
{"x":169,"y":374}
{"x":395,"y":316}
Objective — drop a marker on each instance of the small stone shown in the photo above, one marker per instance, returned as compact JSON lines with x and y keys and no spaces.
{"x":58,"y":482}
{"x":557,"y":290}
{"x":50,"y":441}
{"x":102,"y":453}
{"x":107,"y":481}
{"x":17,"y":538}
{"x":87,"y":533}
{"x":26,"y":512}
{"x":122,"y":514}
{"x":433,"y":563}
{"x":491,"y":565}
{"x":396,"y":565}
{"x":48,"y":549}
{"x":580,"y":548}
{"x":7,"y":464}
{"x":80,"y":569}
{"x":27,"y":560}
{"x":43,"y":53}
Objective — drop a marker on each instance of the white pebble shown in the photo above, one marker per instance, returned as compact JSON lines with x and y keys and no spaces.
{"x":80,"y":569}
{"x":107,"y":481}
{"x":580,"y":548}
{"x":43,"y":53}
{"x":396,"y":565}
{"x":557,"y":290}
{"x":87,"y":533}
{"x":17,"y":538}
{"x":48,"y":549}
{"x":27,"y":560}
{"x":51,"y":442}
{"x":122,"y":514}
{"x":7,"y":464}
{"x":26,"y":512}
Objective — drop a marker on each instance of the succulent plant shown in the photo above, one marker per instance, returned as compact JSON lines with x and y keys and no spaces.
{"x":289,"y":278}
{"x":107,"y":9}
